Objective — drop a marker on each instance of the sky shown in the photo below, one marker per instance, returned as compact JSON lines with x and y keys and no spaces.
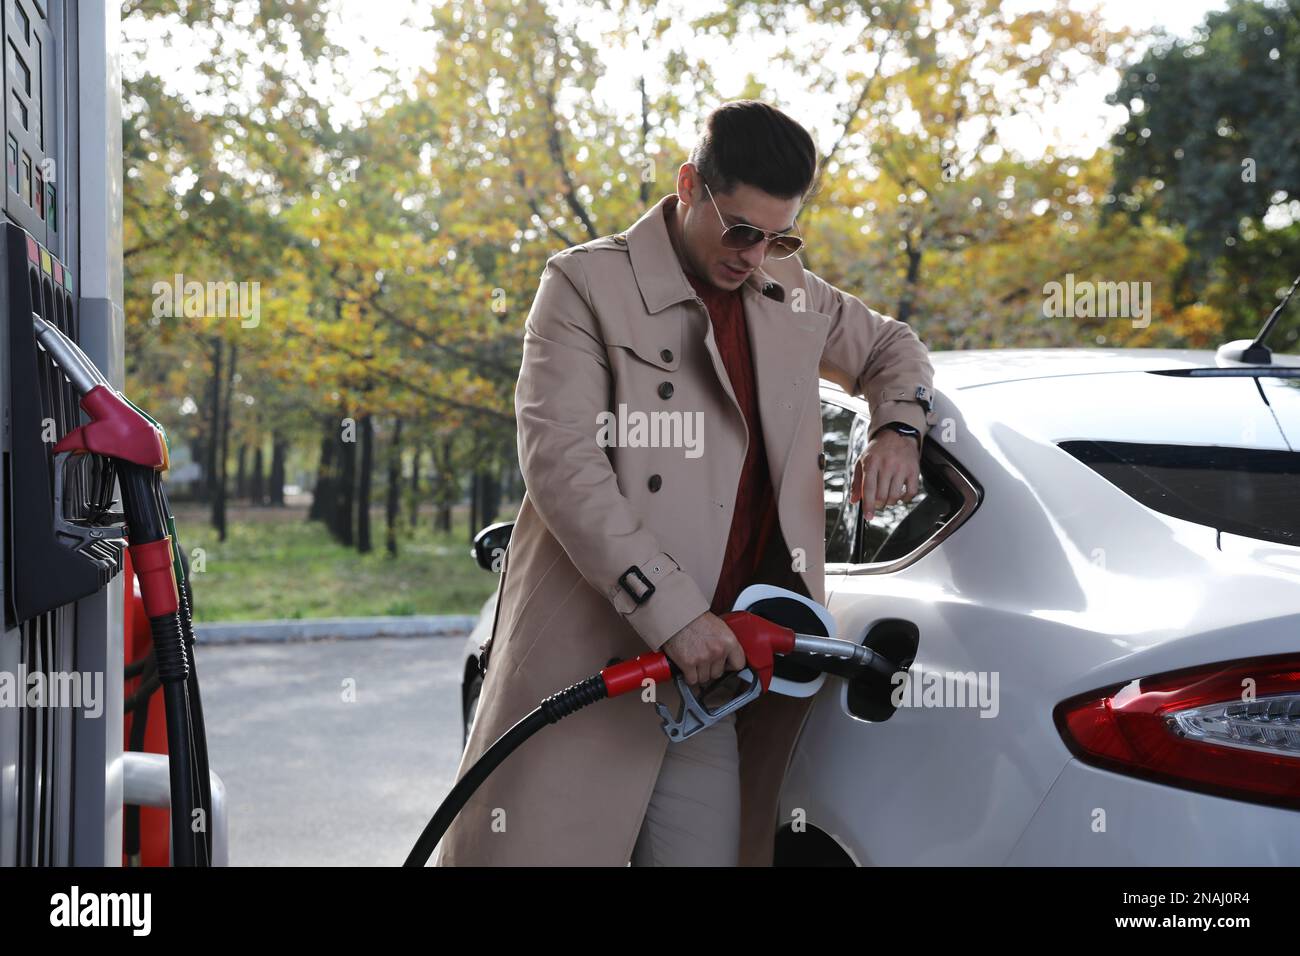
{"x":1081,"y":123}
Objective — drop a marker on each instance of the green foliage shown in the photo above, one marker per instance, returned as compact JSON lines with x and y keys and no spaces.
{"x":274,"y":566}
{"x":1211,"y":148}
{"x":397,"y":255}
{"x":1211,"y":141}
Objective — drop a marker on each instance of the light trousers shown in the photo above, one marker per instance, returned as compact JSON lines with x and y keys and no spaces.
{"x":693,"y":818}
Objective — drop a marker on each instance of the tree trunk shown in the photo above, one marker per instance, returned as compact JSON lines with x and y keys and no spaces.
{"x":214,"y":424}
{"x":347,"y":449}
{"x":219,"y":488}
{"x":645,"y":140}
{"x":256,"y":484}
{"x":364,"y":544}
{"x":908,"y":301}
{"x":323,"y":495}
{"x":394,"y":488}
{"x":415,"y":485}
{"x":444,"y":487}
{"x":279,"y":450}
{"x":241,"y":478}
{"x":474,"y":521}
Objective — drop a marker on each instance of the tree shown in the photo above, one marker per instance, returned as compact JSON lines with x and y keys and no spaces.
{"x":1212,"y":146}
{"x":205,"y":172}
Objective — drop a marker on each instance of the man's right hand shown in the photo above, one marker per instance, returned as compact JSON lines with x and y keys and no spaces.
{"x":705,"y":649}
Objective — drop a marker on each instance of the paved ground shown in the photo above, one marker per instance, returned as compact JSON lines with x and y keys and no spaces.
{"x":334,"y":753}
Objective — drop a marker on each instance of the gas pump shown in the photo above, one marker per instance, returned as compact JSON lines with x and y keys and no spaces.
{"x":68,"y":773}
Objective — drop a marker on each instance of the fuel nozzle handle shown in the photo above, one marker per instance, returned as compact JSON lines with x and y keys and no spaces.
{"x":762,"y":640}
{"x":117,"y":429}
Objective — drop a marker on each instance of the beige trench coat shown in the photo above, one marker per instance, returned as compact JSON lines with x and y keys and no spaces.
{"x":615,"y":324}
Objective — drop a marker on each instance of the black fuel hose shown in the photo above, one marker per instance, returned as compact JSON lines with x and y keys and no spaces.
{"x":200,"y":744}
{"x":137,"y":705}
{"x":135,"y":668}
{"x":551,"y":710}
{"x":173,"y":669}
{"x":149,"y":684}
{"x":197,"y":724}
{"x":146,"y":517}
{"x":561,"y":705}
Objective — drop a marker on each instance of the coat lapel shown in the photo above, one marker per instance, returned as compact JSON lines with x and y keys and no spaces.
{"x":786,"y":347}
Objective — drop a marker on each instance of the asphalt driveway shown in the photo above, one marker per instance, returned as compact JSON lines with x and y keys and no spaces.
{"x":334,"y":753}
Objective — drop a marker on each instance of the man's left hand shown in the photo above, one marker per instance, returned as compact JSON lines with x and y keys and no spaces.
{"x":889,"y":471}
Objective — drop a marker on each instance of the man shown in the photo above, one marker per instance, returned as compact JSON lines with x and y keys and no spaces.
{"x":670,"y":442}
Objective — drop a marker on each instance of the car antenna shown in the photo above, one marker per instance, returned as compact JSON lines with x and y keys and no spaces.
{"x":1254,"y":352}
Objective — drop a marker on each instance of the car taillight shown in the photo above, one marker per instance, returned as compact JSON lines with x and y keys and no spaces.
{"x":1230,"y":729}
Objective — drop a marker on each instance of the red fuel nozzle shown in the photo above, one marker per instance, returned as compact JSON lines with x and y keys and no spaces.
{"x":116,"y":430}
{"x":759,"y":637}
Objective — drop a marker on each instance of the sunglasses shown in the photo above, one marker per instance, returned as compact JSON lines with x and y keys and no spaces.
{"x":743,"y":235}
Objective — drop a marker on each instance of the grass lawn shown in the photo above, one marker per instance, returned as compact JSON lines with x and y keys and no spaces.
{"x":276,"y":564}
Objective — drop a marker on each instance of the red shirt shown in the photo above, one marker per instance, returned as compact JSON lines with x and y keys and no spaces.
{"x":755,"y":510}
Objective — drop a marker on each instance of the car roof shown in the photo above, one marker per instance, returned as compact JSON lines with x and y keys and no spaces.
{"x":1108,"y":394}
{"x":971,"y":368}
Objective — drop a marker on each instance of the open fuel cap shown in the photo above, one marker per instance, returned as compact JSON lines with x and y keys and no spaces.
{"x":802,"y":615}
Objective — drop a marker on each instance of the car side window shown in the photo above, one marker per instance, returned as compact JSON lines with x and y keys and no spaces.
{"x":838,"y":430}
{"x":898,"y":529}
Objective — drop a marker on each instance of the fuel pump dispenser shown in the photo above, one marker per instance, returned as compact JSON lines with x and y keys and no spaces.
{"x":133,"y":448}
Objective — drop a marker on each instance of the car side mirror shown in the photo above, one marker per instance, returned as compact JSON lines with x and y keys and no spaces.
{"x":490,"y":545}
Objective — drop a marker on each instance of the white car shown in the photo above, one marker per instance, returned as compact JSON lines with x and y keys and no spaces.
{"x":1098,"y":595}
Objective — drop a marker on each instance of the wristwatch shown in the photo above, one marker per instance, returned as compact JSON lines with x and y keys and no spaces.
{"x":904,"y":429}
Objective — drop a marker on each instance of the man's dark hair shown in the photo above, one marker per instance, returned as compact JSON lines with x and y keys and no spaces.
{"x":747,"y":141}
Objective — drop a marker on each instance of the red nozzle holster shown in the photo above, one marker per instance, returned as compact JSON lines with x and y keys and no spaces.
{"x":157,"y":576}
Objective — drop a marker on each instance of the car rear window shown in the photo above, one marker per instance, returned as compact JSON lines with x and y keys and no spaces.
{"x":1248,"y":491}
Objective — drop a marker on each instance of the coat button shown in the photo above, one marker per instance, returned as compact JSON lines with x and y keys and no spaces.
{"x":821,"y":461}
{"x":655,"y":483}
{"x":665,"y":389}
{"x":666,"y":355}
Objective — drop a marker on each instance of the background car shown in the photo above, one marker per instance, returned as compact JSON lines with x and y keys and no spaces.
{"x":1097,"y":593}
